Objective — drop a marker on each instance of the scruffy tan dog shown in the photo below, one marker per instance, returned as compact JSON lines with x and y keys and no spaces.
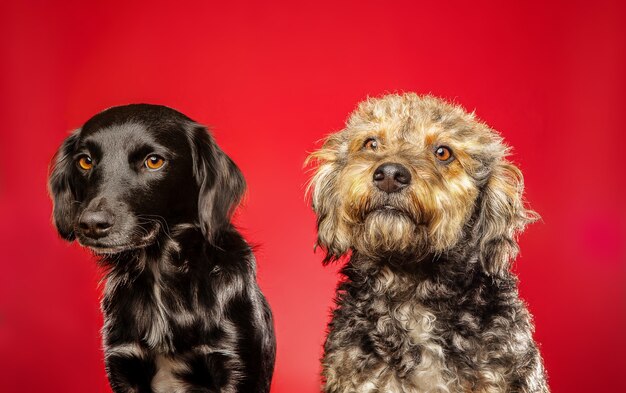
{"x":420,"y":195}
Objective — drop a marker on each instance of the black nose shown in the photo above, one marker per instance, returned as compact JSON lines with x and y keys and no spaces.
{"x":95,"y":224}
{"x":391,"y":177}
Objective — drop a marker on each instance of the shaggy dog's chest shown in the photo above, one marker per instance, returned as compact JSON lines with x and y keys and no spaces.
{"x":396,"y":333}
{"x":407,"y":339}
{"x":393,"y":341}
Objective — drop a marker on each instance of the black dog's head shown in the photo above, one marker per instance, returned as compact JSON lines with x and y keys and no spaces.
{"x":131,"y":172}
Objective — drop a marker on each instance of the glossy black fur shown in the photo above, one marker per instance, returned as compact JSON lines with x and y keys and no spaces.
{"x":182,"y":308}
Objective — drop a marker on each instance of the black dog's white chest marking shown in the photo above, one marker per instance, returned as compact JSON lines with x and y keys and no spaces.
{"x":165,"y":380}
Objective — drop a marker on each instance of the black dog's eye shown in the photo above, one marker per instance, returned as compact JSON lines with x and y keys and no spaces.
{"x":444,"y":154}
{"x":370,"y":143}
{"x":154,"y":162}
{"x":85,"y":162}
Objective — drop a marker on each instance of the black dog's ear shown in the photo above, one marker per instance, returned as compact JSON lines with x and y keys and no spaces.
{"x":61,"y":188}
{"x":503,"y":216}
{"x":220,"y":181}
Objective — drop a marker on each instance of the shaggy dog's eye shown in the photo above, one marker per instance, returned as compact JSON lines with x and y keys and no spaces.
{"x":370,"y":143}
{"x":444,"y":154}
{"x":154,"y":162}
{"x":85,"y":162}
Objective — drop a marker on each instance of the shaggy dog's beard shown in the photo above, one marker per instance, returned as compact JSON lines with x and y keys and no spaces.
{"x":387,"y":232}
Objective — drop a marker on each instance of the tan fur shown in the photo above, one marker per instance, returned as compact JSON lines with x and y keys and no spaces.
{"x":441,"y":197}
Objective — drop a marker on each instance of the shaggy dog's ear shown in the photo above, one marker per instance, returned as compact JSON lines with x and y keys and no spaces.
{"x":332,"y":235}
{"x":61,"y":188}
{"x":502,"y":216}
{"x":220,"y":182}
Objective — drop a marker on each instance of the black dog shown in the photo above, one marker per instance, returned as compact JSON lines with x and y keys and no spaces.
{"x":149,"y":191}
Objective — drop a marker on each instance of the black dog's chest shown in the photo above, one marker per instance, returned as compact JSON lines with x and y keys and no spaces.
{"x":157,"y":331}
{"x":148,"y":311}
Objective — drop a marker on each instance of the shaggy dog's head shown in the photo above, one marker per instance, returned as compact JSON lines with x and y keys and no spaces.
{"x":414,"y":176}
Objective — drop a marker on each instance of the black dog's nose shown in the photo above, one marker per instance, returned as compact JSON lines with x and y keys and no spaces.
{"x":391,"y":177}
{"x":95,"y":224}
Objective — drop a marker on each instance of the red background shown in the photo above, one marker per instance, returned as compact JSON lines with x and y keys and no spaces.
{"x":272,"y":79}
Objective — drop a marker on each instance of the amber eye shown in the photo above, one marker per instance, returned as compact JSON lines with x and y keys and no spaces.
{"x":154,"y":162}
{"x":443,"y":153}
{"x":85,"y":162}
{"x":370,"y":143}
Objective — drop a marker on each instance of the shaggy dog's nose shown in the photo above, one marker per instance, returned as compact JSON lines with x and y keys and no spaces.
{"x":391,"y":177}
{"x":95,"y":224}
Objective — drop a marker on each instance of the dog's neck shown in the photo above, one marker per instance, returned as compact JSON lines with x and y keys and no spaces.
{"x":171,"y":249}
{"x":429,"y":276}
{"x":180,"y":248}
